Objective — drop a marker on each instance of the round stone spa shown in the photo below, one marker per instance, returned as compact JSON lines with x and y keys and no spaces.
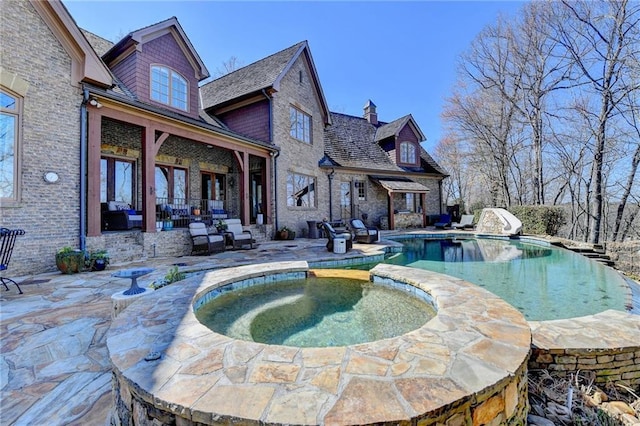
{"x":316,"y":312}
{"x":467,"y":362}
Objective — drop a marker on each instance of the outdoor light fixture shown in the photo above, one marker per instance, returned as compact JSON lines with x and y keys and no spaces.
{"x":51,"y":177}
{"x":95,"y":103}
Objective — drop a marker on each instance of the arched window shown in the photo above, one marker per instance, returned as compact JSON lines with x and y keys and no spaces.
{"x":169,"y":87}
{"x":408,"y":153}
{"x":10,"y":119}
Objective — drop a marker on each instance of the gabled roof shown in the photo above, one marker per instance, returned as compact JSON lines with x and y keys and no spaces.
{"x":352,"y":142}
{"x":85,"y":64}
{"x":135,"y":39}
{"x":265,"y":74}
{"x":394,"y":128}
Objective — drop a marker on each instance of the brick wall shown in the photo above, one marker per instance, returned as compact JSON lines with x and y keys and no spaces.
{"x":297,"y":156}
{"x":49,"y":213}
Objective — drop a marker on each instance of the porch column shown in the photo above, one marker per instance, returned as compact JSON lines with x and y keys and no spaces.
{"x":246,"y":208}
{"x":93,"y":173}
{"x":392,"y":217}
{"x":423,"y":198}
{"x":148,"y":179}
{"x":266,"y":203}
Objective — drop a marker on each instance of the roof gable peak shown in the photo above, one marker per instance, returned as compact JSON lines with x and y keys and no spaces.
{"x":136,"y":39}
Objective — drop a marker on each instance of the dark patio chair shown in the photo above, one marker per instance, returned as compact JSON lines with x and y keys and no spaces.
{"x":7,"y":241}
{"x":443,"y":222}
{"x":363,"y":233}
{"x":237,"y":235}
{"x":203,"y":241}
{"x":332,"y":234}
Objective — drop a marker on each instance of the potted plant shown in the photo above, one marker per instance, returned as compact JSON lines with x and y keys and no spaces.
{"x":69,"y":260}
{"x":98,"y":260}
{"x":286,"y":234}
{"x":221,"y":226}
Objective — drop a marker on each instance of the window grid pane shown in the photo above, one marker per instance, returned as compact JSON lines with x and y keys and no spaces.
{"x":168,"y":87}
{"x":8,"y":140}
{"x":300,"y":125}
{"x":301,"y":190}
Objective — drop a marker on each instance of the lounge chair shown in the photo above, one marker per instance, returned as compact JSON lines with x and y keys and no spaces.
{"x":237,"y":236}
{"x":363,"y":233}
{"x":443,"y":222}
{"x":332,"y":234}
{"x":203,"y":241}
{"x":7,"y":241}
{"x":466,"y":221}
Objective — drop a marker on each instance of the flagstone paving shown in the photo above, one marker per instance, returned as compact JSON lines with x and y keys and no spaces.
{"x":54,"y":365}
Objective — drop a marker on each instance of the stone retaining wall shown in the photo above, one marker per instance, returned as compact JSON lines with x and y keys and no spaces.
{"x":606,"y":344}
{"x":626,"y":255}
{"x":609,"y":365}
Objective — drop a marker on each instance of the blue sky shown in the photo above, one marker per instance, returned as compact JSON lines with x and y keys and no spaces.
{"x":401,"y":55}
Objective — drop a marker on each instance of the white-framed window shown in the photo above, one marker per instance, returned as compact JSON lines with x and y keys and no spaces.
{"x":408,"y":153}
{"x":169,"y":87}
{"x":360,"y":190}
{"x":301,"y":190}
{"x":300,"y":125}
{"x":10,"y":119}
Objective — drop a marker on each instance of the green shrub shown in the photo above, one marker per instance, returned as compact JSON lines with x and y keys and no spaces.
{"x":540,"y":220}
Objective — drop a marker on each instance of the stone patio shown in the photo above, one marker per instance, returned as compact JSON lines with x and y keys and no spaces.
{"x":54,"y":365}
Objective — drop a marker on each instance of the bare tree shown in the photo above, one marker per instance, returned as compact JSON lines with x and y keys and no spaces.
{"x":602,"y":40}
{"x":228,"y":66}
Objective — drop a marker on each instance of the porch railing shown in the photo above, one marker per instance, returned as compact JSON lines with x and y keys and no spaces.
{"x":179,"y":212}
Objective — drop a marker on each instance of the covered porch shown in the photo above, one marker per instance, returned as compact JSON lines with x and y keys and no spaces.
{"x":153,"y":171}
{"x":405,"y":200}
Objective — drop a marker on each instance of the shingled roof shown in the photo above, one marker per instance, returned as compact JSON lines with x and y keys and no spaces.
{"x":353,"y":142}
{"x":261,"y":75}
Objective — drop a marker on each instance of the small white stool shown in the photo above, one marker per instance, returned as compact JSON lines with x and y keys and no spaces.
{"x":339,"y":245}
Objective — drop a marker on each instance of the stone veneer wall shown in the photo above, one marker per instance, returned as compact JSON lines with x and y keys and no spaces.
{"x":609,"y":365}
{"x":505,"y":403}
{"x":137,"y":245}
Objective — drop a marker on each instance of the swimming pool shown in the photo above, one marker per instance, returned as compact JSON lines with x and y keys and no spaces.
{"x":542,"y":282}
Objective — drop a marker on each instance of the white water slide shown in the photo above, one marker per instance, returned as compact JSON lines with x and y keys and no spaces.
{"x":498,"y":221}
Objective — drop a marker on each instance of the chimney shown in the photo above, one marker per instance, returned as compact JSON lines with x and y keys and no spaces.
{"x":370,"y":113}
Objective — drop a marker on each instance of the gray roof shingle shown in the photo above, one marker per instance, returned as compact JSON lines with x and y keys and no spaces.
{"x":353,"y":142}
{"x":249,"y":79}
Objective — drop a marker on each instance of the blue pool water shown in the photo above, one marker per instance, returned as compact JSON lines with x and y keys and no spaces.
{"x":315,"y":312}
{"x":544,"y":283}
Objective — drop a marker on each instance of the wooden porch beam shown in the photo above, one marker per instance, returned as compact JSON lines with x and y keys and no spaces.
{"x":94,"y":225}
{"x":149,"y":151}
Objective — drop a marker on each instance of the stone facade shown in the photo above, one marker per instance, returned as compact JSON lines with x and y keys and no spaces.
{"x":49,"y":213}
{"x":297,"y":156}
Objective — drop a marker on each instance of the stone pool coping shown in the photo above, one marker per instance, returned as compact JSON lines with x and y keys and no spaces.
{"x":468,"y":361}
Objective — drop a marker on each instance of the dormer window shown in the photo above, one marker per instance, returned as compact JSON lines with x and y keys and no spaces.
{"x":408,"y":153}
{"x":169,"y":87}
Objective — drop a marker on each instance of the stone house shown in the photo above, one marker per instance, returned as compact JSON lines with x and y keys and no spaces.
{"x":330,"y":165}
{"x":112,"y":143}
